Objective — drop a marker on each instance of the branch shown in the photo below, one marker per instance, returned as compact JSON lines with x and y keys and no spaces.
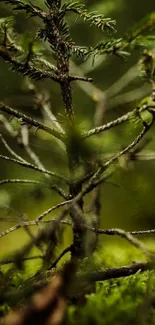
{"x":46,"y":235}
{"x":21,"y":181}
{"x":30,"y":121}
{"x":59,"y":205}
{"x":31,"y":223}
{"x":130,"y":146}
{"x":100,"y":231}
{"x":9,"y":261}
{"x":26,"y":69}
{"x":11,"y":151}
{"x":29,"y":151}
{"x":32,"y":238}
{"x":94,"y":180}
{"x":134,"y":241}
{"x":46,"y":108}
{"x":114,"y":123}
{"x":89,"y":88}
{"x":31,"y":166}
{"x":65,"y":251}
{"x":12,"y":46}
{"x":33,"y":10}
{"x":122,"y":233}
{"x":80,"y":78}
{"x":118,"y":272}
{"x":53,"y":187}
{"x":117,"y":232}
{"x":92,"y":18}
{"x":100,"y":96}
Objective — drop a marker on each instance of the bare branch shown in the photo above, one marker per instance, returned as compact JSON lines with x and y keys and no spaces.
{"x":13,"y":153}
{"x":44,"y":235}
{"x":46,"y":109}
{"x":31,"y":166}
{"x":53,"y":187}
{"x":21,"y":181}
{"x":59,"y":205}
{"x":30,"y":121}
{"x":118,"y":272}
{"x":129,"y":147}
{"x":134,"y":241}
{"x":31,"y":258}
{"x":100,"y":231}
{"x":113,"y":123}
{"x":38,"y":163}
{"x":80,"y":78}
{"x":32,"y":237}
{"x":65,"y":251}
{"x":95,"y":179}
{"x":115,"y":231}
{"x":30,"y":152}
{"x":89,"y":88}
{"x":30,"y":223}
{"x":108,"y":125}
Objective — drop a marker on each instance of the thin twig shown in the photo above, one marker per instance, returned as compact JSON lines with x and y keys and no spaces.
{"x":30,"y":152}
{"x":44,"y":235}
{"x":32,"y":237}
{"x":46,"y":109}
{"x":65,"y":251}
{"x":59,"y":205}
{"x":30,"y":223}
{"x":89,"y":88}
{"x":31,"y":166}
{"x":94,"y":180}
{"x":113,"y":123}
{"x":80,"y":78}
{"x":9,"y":261}
{"x":21,"y":181}
{"x":10,"y":150}
{"x":36,"y":160}
{"x":100,"y":231}
{"x":134,"y":241}
{"x":31,"y":121}
{"x":129,"y":147}
{"x":29,"y":181}
{"x":115,"y":231}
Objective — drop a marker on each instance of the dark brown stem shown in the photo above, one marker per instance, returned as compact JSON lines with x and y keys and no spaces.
{"x":119,"y":272}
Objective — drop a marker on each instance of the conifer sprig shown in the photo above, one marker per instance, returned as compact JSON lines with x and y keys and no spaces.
{"x":26,"y":68}
{"x":103,"y":23}
{"x":29,"y":8}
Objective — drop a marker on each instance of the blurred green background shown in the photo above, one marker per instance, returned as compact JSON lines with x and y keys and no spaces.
{"x":128,"y":199}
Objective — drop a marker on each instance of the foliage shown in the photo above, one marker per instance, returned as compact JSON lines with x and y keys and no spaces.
{"x":120,"y":301}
